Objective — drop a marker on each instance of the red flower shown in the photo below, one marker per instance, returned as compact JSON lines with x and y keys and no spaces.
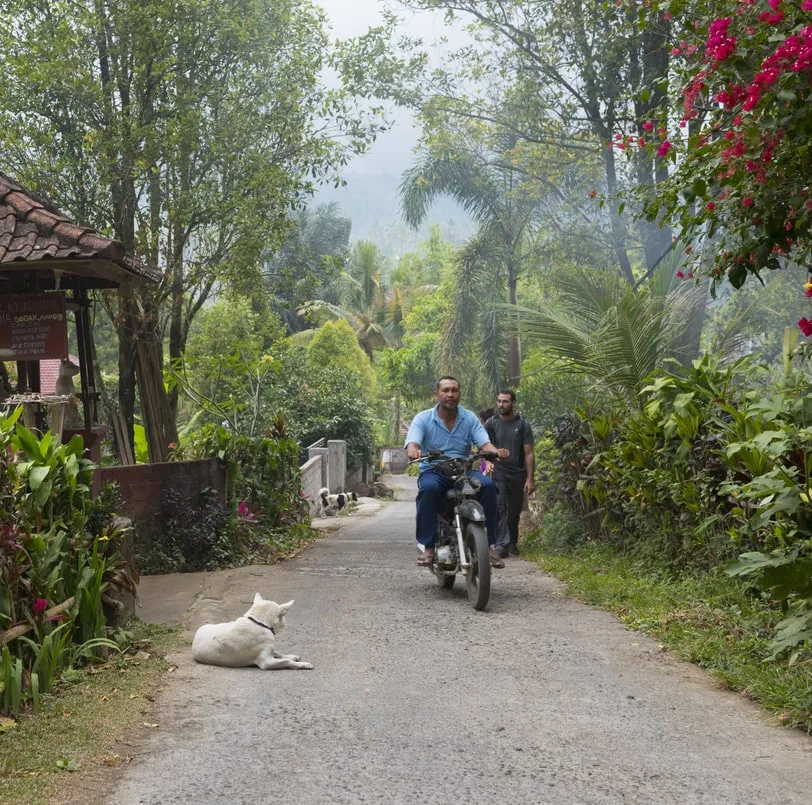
{"x":648,"y":126}
{"x":806,"y":326}
{"x":710,"y":206}
{"x":40,"y":605}
{"x":664,"y":148}
{"x":747,"y":201}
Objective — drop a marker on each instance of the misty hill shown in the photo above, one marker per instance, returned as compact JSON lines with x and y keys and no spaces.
{"x":371,"y":202}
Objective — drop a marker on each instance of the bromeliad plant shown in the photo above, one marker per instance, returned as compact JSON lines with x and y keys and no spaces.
{"x":57,"y":553}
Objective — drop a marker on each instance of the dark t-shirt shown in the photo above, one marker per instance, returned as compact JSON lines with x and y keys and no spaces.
{"x":513,"y":435}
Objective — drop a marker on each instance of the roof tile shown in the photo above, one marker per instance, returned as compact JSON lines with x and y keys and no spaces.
{"x":33,"y":229}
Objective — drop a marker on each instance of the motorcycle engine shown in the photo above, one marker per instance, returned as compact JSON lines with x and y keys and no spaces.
{"x":444,"y":554}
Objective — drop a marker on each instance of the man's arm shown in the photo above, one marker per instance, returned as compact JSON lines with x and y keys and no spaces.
{"x":530,"y":466}
{"x":415,"y":437}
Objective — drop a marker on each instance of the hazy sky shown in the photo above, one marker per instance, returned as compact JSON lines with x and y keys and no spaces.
{"x":392,"y":151}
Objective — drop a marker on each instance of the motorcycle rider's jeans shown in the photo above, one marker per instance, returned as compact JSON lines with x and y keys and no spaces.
{"x":432,"y":487}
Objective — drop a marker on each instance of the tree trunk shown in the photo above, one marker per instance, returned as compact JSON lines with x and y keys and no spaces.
{"x":514,"y":344}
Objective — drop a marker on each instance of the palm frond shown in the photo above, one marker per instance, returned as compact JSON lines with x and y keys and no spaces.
{"x":459,"y":177}
{"x":473,"y":288}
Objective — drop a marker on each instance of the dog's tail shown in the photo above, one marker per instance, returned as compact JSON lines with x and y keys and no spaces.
{"x":323,"y":492}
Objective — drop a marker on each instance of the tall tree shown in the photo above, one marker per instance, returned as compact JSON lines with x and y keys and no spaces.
{"x":186,"y":129}
{"x":493,"y":189}
{"x":580,"y":77}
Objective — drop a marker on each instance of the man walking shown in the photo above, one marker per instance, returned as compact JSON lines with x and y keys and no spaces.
{"x":514,"y":475}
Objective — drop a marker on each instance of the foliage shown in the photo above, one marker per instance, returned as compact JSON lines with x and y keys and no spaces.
{"x":263,"y":505}
{"x":741,"y":158}
{"x":187,"y":132}
{"x":308,"y":263}
{"x":715,"y":462}
{"x":562,"y":78}
{"x":614,"y":334}
{"x":56,"y":546}
{"x":189,"y":537}
{"x":335,"y":345}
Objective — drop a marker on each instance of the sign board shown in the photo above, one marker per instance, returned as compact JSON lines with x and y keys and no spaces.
{"x":33,"y":326}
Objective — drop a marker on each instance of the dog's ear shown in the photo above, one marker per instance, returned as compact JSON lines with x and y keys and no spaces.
{"x":283,"y":608}
{"x":258,"y":599}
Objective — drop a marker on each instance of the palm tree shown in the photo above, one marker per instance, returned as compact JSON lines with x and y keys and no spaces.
{"x":487,"y":268}
{"x":612,"y":333}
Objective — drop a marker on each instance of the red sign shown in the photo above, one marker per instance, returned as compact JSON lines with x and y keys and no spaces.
{"x":33,"y":326}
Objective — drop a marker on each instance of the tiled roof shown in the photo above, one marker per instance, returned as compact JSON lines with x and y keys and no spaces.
{"x":32,"y":230}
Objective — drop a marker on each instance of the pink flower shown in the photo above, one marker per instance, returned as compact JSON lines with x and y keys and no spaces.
{"x":40,"y":605}
{"x":710,"y":206}
{"x":807,"y":5}
{"x":667,"y":15}
{"x":747,"y":201}
{"x":806,"y":326}
{"x":648,"y":125}
{"x":681,"y":275}
{"x":664,"y":148}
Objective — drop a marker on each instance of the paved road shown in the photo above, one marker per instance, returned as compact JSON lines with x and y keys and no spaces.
{"x":417,"y":698}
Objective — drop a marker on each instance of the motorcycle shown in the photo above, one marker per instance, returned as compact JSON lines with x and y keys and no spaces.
{"x":461,"y":544}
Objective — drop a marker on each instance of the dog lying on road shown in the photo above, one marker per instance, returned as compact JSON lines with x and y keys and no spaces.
{"x":333,"y":504}
{"x":249,"y":640}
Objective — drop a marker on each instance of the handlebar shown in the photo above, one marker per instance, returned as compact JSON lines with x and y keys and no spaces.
{"x":436,"y":456}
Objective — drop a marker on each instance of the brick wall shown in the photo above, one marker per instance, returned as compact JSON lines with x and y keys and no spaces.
{"x":141,"y":485}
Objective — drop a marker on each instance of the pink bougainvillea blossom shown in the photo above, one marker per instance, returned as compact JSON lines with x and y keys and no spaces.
{"x":665,"y":147}
{"x":719,"y":45}
{"x":649,"y":126}
{"x":806,"y":326}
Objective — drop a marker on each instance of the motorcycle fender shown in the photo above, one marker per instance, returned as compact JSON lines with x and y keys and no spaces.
{"x":472,"y":510}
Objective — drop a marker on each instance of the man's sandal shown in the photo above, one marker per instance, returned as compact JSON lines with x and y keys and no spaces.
{"x":426,"y":558}
{"x":496,"y":560}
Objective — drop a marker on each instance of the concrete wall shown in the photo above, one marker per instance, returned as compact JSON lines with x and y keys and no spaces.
{"x":140,"y":485}
{"x":336,"y":465}
{"x":311,"y":473}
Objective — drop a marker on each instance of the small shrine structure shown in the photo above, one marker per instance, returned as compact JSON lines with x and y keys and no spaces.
{"x":48,"y":266}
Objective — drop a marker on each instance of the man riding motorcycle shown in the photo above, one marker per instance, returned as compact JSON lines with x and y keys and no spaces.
{"x":452,"y":430}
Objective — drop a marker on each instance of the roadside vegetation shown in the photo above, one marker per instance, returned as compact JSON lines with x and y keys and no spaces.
{"x":45,"y":756}
{"x":635,"y":264}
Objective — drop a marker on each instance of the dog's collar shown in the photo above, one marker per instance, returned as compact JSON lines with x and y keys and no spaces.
{"x":260,"y":623}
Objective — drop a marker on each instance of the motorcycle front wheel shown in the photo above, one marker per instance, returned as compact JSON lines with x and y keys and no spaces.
{"x":478,"y":577}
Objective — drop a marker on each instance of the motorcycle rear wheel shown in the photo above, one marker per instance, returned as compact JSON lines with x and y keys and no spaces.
{"x":478,"y":577}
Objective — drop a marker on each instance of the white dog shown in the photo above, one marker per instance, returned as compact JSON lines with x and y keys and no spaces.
{"x":249,"y":640}
{"x":333,"y":504}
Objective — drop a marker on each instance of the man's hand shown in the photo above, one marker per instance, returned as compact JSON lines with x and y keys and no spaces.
{"x":503,"y":453}
{"x":529,"y":488}
{"x":413,"y":451}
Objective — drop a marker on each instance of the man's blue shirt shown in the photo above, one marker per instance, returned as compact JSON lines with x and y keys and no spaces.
{"x":431,"y":433}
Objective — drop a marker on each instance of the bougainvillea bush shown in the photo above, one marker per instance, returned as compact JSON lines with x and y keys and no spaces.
{"x":737,"y":134}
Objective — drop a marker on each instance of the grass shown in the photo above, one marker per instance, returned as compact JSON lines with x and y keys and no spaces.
{"x":77,"y":727}
{"x":708,"y":619}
